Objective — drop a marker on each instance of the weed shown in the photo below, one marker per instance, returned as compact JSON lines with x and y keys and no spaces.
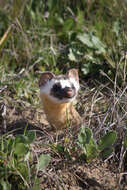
{"x":16,"y":168}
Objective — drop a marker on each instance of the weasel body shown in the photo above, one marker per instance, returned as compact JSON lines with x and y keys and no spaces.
{"x":57,"y":94}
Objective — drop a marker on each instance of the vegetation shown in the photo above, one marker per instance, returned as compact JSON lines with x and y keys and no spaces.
{"x":16,"y":168}
{"x":55,"y":35}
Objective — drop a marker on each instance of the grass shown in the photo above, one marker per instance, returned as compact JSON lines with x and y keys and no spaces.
{"x":55,"y":36}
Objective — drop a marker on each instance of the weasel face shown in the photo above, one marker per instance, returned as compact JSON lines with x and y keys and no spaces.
{"x":60,"y":89}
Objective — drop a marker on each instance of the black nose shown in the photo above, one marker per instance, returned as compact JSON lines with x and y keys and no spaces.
{"x":68,"y":92}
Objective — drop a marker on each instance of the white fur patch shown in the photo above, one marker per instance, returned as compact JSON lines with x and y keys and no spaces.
{"x":67,"y":83}
{"x":75,"y":83}
{"x":46,"y":89}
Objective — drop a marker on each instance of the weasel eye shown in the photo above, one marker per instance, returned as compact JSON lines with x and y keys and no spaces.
{"x":57,"y":87}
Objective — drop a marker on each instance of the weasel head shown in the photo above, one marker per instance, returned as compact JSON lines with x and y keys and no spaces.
{"x":60,"y":89}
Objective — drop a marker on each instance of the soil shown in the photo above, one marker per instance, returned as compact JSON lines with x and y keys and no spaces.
{"x":63,"y":172}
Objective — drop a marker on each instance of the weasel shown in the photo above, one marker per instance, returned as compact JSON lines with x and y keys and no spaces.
{"x":57,"y":94}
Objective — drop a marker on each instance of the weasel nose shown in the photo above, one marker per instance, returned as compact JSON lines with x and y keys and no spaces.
{"x":68,"y":92}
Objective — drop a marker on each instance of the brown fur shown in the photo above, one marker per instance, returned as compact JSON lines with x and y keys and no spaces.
{"x":60,"y":115}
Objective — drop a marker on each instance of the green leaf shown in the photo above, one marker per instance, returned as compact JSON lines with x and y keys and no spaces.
{"x":106,"y":153}
{"x":107,"y":140}
{"x":92,"y":41}
{"x":28,"y":138}
{"x":59,"y":148}
{"x":98,"y":44}
{"x":85,"y":39}
{"x":71,"y":55}
{"x":87,"y":143}
{"x":84,"y":135}
{"x":43,"y":161}
{"x":31,"y":135}
{"x":91,"y":149}
{"x":20,"y":149}
{"x":20,"y":139}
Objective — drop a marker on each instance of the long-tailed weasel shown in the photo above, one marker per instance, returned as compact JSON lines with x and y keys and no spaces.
{"x":57,"y":94}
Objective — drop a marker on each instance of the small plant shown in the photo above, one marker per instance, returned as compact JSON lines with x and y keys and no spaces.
{"x":91,"y":149}
{"x":16,"y":162}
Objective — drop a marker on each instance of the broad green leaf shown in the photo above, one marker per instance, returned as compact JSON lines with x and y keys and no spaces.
{"x":89,"y":134}
{"x":84,"y":135}
{"x":91,"y":150}
{"x":85,"y":39}
{"x":43,"y":161}
{"x":87,"y":143}
{"x":98,"y":44}
{"x":92,"y":41}
{"x":20,"y":139}
{"x":106,"y":153}
{"x":82,"y":138}
{"x":107,"y":140}
{"x":71,"y":55}
{"x":20,"y":149}
{"x":59,"y":148}
{"x":31,"y":135}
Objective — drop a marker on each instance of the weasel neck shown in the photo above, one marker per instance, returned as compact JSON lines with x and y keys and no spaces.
{"x":50,"y":106}
{"x":59,"y":114}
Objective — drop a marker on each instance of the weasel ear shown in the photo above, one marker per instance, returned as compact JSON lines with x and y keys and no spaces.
{"x":45,"y":77}
{"x":73,"y":73}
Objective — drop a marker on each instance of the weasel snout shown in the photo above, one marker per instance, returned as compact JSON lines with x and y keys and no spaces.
{"x":61,"y":93}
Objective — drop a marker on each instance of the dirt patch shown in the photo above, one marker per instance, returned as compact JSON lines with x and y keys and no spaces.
{"x":81,"y":176}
